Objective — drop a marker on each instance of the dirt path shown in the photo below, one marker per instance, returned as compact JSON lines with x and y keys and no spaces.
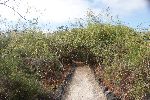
{"x":84,"y":86}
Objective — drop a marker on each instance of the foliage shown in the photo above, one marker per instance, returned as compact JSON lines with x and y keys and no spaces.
{"x":29,"y":58}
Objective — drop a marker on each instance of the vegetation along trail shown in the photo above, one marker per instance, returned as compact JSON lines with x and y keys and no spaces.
{"x":84,"y":86}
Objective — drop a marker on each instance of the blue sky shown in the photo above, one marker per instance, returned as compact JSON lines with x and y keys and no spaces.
{"x":60,"y":12}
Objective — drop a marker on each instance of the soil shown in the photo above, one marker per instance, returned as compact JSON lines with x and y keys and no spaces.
{"x":83,"y":85}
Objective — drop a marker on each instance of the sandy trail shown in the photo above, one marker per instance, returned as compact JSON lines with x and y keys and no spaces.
{"x":84,"y":86}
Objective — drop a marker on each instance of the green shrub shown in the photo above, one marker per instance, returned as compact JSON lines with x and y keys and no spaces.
{"x":123,"y":52}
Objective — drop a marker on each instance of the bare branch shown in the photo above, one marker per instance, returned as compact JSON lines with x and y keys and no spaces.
{"x":4,"y":3}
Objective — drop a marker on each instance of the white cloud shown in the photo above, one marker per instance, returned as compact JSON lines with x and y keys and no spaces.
{"x":60,"y":11}
{"x":125,"y":7}
{"x":52,"y":10}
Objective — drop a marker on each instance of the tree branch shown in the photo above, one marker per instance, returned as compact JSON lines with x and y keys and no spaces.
{"x":4,"y":3}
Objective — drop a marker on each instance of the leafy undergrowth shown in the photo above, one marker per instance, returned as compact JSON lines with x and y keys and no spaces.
{"x":28,"y":69}
{"x":31,"y":63}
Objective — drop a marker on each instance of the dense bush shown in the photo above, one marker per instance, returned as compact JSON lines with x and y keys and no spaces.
{"x":27,"y":66}
{"x":30,"y":60}
{"x":124,"y":52}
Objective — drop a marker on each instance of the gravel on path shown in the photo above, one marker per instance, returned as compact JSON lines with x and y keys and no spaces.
{"x":84,"y":86}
